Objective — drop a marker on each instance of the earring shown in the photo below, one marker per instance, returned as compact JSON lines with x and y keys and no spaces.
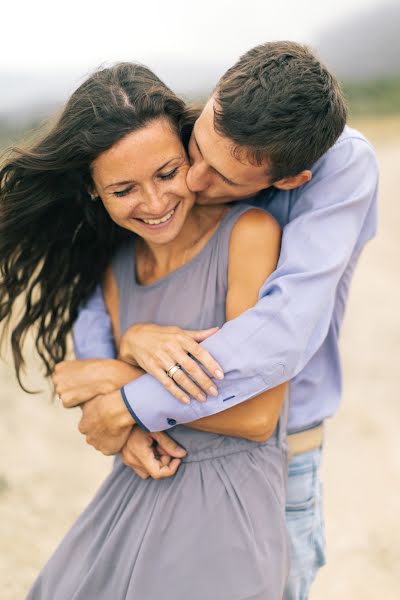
{"x":93,"y":198}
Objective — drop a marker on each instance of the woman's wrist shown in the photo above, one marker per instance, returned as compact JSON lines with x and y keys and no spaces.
{"x":127,"y":347}
{"x":119,"y":373}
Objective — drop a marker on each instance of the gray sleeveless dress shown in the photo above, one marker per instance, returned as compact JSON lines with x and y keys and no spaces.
{"x":214,"y":531}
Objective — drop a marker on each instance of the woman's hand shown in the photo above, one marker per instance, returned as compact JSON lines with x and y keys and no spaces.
{"x":153,"y":455}
{"x":77,"y":381}
{"x":157,"y":348}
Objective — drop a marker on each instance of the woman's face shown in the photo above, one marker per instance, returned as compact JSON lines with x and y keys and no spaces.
{"x":142,"y":182}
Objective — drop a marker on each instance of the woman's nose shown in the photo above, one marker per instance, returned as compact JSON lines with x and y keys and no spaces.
{"x":153,"y":202}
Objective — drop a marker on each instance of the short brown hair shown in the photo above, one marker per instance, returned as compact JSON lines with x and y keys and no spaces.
{"x":281,"y":104}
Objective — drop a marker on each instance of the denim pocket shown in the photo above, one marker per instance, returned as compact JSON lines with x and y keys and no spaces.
{"x":304,"y":522}
{"x":301,"y":487}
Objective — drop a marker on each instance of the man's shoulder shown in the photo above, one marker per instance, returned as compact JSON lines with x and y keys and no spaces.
{"x":352,"y":147}
{"x":349,"y":133}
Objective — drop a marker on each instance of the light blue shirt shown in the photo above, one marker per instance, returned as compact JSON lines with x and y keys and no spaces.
{"x":292,"y":332}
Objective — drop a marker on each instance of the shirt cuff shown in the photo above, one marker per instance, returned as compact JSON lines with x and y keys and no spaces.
{"x":155,"y":409}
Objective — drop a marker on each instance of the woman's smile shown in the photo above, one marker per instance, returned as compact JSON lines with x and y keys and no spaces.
{"x":142,"y":182}
{"x":160,"y":222}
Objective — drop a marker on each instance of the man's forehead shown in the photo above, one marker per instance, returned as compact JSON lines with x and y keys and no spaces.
{"x":221,"y":153}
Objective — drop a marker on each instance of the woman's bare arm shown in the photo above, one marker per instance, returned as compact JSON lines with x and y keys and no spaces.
{"x":253,"y":255}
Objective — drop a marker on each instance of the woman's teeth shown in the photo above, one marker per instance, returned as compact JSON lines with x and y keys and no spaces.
{"x":158,"y":221}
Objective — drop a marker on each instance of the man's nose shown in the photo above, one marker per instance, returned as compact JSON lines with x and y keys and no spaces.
{"x":197,"y":177}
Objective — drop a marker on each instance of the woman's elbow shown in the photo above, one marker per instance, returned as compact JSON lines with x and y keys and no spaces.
{"x":262,"y":429}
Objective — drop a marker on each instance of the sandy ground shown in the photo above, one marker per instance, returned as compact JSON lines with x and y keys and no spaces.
{"x":48,"y":474}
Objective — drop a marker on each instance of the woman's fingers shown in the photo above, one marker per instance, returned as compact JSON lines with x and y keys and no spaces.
{"x":171,"y":386}
{"x":169,"y":470}
{"x":139,"y":454}
{"x":189,"y":386}
{"x":199,"y":335}
{"x":199,"y":384}
{"x":167,"y":445}
{"x":155,"y":467}
{"x":139,"y":470}
{"x":204,"y":358}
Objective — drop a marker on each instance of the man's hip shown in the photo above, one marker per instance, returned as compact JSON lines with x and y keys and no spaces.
{"x":304,"y":514}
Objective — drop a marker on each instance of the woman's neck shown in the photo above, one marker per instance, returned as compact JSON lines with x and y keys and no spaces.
{"x":155,"y":261}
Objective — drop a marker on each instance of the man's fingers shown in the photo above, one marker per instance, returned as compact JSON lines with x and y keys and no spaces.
{"x":168,"y":445}
{"x":75,"y":397}
{"x":82,"y":426}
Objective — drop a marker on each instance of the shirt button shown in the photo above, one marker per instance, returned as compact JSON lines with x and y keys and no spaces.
{"x":171,"y":422}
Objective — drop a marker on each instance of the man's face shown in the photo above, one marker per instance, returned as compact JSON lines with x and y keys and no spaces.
{"x":215,"y":174}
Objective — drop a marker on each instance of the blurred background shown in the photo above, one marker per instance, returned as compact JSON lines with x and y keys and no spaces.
{"x":47,"y":473}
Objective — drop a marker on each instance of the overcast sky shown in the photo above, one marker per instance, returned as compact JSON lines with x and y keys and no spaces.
{"x":48,"y":47}
{"x":47,"y":35}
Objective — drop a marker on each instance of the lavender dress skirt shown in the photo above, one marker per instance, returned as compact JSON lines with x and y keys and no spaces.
{"x":214,"y":531}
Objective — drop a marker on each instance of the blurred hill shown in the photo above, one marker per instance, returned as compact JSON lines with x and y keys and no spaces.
{"x":364,"y":47}
{"x":363,"y":51}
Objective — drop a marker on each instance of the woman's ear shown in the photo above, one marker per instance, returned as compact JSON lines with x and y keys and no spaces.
{"x":91,"y":190}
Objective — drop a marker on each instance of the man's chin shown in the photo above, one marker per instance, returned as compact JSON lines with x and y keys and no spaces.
{"x":206,"y":200}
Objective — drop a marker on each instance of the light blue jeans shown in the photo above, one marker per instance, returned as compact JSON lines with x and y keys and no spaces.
{"x":304,"y":519}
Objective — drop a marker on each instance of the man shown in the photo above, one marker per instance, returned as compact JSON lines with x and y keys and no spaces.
{"x":273,"y":131}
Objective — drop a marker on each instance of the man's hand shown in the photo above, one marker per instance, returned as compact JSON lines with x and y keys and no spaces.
{"x":106,"y":422}
{"x":77,"y":381}
{"x":153,"y":455}
{"x":157,"y":348}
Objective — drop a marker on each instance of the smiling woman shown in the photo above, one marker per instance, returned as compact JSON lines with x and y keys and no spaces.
{"x":149,"y":197}
{"x":49,"y":227}
{"x":164,"y":260}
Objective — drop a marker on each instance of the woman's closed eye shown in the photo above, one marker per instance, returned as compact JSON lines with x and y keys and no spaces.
{"x":169,"y":175}
{"x":121,"y":193}
{"x":163,"y":176}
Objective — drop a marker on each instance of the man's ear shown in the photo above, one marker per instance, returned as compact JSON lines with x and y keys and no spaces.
{"x":289,"y":183}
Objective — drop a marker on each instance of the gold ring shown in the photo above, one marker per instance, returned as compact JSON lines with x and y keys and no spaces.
{"x":172,"y":370}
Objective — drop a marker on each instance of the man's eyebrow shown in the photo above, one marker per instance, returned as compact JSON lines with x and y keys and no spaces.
{"x":213,"y":168}
{"x":132,"y":181}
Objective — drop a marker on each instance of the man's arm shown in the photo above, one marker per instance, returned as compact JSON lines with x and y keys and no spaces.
{"x":271,"y":343}
{"x":92,"y":332}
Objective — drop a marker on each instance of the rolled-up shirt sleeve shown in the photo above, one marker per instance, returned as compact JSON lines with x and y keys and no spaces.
{"x":271,"y":342}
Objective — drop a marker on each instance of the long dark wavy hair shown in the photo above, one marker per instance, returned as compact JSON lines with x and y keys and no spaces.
{"x":55,"y":243}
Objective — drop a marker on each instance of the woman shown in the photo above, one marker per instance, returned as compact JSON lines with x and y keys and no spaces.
{"x":216,"y":529}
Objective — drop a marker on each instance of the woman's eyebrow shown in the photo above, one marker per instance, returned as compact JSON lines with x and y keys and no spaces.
{"x":118,"y":183}
{"x":167,"y":163}
{"x":132,"y":181}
